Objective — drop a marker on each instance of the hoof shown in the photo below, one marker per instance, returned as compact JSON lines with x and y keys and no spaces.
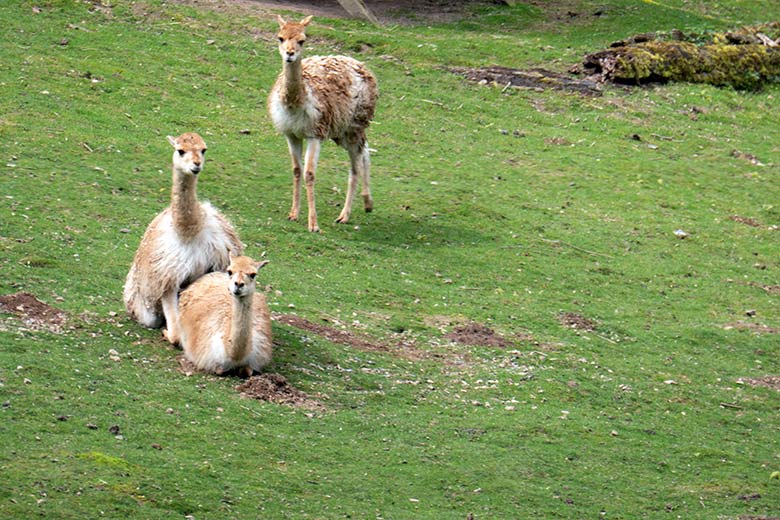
{"x":292,"y":217}
{"x":169,"y":337}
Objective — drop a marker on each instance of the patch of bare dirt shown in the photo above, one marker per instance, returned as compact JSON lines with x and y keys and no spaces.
{"x":577,"y":321}
{"x":275,"y":388}
{"x":386,"y":11}
{"x":756,"y":328}
{"x":536,"y":79}
{"x":771,"y":289}
{"x":772,"y":382}
{"x":749,"y":157}
{"x":479,"y":335}
{"x":35,"y":314}
{"x":745,"y":220}
{"x":348,"y":338}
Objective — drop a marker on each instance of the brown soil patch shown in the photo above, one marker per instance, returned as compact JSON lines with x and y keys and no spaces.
{"x":757,"y":328}
{"x":386,"y":11}
{"x":537,"y":79}
{"x":771,"y":289}
{"x":479,"y":335}
{"x":745,"y":220}
{"x":34,"y":313}
{"x":348,"y":338}
{"x":275,"y":388}
{"x":749,"y":157}
{"x":772,"y":382}
{"x":577,"y":321}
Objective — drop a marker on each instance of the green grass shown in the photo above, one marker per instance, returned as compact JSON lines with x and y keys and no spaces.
{"x":504,"y":207}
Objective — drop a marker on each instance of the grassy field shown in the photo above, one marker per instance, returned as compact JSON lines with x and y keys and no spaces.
{"x":522,"y":211}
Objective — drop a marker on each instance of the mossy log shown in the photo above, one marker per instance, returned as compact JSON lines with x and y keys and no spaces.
{"x":745,"y":59}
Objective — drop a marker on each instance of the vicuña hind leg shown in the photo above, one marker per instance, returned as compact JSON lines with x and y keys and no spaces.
{"x":358,"y":157}
{"x":368,"y":202}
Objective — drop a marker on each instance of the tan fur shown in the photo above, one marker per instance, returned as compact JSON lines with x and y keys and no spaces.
{"x":320,"y":98}
{"x":225,"y":324}
{"x":186,"y":240}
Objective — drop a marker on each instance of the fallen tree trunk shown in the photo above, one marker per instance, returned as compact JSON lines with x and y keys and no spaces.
{"x":744,"y":60}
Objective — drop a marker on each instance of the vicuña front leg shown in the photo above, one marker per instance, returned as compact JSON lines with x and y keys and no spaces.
{"x":312,"y":156}
{"x":170,"y":305}
{"x":296,"y":151}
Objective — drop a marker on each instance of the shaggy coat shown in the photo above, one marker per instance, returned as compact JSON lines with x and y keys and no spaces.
{"x":335,"y":99}
{"x":224,"y":323}
{"x":320,"y":98}
{"x":186,"y":240}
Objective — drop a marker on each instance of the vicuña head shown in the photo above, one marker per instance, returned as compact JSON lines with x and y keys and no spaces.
{"x":242,"y":272}
{"x":225,"y":324}
{"x":292,"y":36}
{"x":316,"y":99}
{"x":189,"y":153}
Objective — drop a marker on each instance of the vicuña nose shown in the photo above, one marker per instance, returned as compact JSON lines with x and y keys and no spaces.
{"x":240,"y":285}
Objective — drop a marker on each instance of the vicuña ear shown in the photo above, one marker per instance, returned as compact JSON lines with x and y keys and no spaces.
{"x":306,"y":21}
{"x":282,"y":21}
{"x":261,"y":264}
{"x":172,"y":140}
{"x":230,"y":255}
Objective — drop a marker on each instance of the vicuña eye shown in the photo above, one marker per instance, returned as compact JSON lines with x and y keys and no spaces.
{"x":203,"y":151}
{"x":301,"y":42}
{"x":281,"y":40}
{"x":252,"y":276}
{"x":230,"y":273}
{"x":181,"y":152}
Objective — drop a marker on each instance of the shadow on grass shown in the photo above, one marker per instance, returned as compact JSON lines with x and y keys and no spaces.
{"x":407,"y":230}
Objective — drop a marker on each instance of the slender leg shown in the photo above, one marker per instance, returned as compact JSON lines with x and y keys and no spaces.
{"x":170,"y":305}
{"x":296,"y":150}
{"x":356,"y":167}
{"x":310,"y":168}
{"x":368,"y":202}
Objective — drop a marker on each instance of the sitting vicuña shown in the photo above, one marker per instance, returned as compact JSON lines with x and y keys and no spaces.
{"x":225,"y":323}
{"x":185,"y":241}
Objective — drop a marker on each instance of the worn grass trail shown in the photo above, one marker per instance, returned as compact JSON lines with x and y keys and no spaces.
{"x":627,"y":383}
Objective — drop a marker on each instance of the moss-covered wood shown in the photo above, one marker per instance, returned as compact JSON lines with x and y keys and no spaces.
{"x":743,"y":59}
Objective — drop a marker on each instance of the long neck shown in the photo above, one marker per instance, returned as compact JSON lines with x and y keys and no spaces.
{"x":187,"y":213}
{"x":241,"y":327}
{"x":293,"y":90}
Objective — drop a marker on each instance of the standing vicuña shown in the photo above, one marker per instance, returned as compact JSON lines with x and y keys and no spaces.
{"x":225,"y":324}
{"x":320,"y":98}
{"x":186,"y":240}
